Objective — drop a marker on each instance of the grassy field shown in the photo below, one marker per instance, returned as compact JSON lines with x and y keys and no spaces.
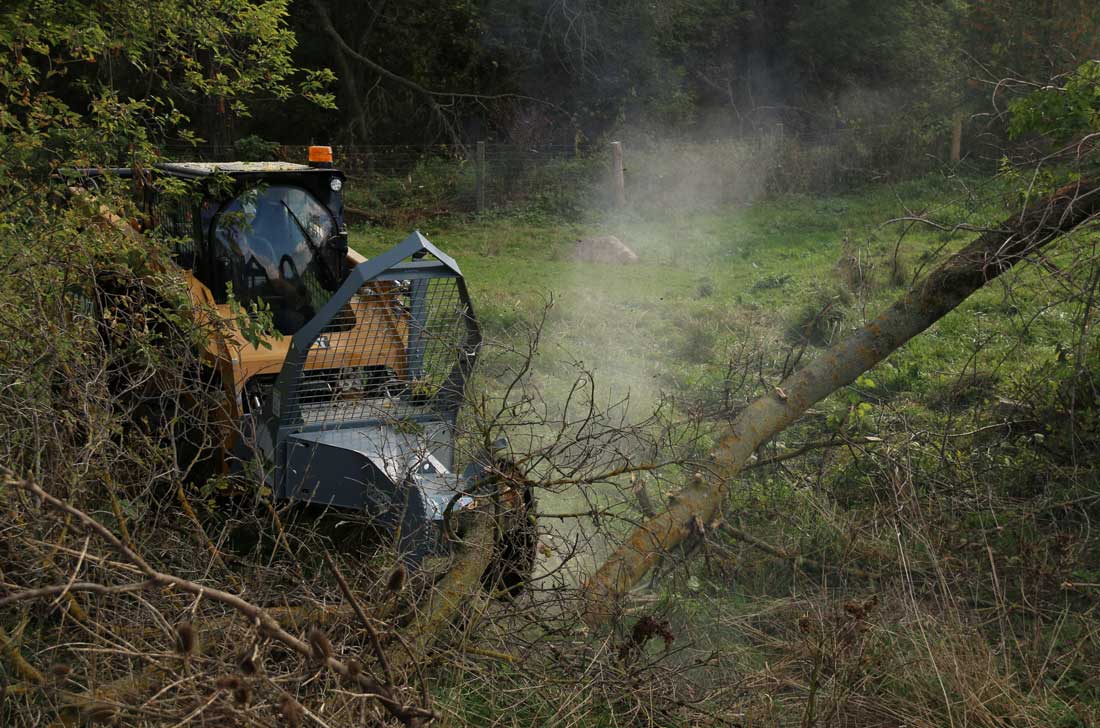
{"x":936,"y":481}
{"x":707,"y":281}
{"x":755,"y":286}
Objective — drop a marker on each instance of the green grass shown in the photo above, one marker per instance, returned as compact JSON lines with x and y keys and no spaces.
{"x":705,"y":280}
{"x":739,"y":278}
{"x":713,"y":284}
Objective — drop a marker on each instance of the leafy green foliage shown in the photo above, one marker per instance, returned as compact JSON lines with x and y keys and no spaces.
{"x":1061,"y":112}
{"x":254,"y":322}
{"x":254,"y":148}
{"x":102,"y":82}
{"x":562,"y":72}
{"x":862,"y":42}
{"x":91,"y":84}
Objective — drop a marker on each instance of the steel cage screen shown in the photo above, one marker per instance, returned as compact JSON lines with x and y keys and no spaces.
{"x":391,"y":346}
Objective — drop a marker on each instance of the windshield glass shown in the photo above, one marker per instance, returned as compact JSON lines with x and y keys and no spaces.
{"x":272,"y":238}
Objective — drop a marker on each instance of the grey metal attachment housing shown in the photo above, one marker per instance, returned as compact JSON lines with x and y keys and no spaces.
{"x":363,"y":413}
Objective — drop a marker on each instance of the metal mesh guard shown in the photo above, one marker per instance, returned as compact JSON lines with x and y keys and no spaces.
{"x":394,"y":345}
{"x":396,"y":351}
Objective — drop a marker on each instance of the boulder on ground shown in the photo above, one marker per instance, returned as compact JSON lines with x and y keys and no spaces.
{"x":603,"y":249}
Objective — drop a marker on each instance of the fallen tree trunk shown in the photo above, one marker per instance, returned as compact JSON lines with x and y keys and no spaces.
{"x":456,"y":591}
{"x":987,"y":257}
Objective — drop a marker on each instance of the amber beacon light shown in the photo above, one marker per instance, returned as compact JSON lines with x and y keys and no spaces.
{"x":320,"y":156}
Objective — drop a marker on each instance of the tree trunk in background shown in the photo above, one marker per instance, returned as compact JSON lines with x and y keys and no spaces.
{"x":941,"y":291}
{"x":956,"y":137}
{"x":357,"y":131}
{"x":213,"y":119}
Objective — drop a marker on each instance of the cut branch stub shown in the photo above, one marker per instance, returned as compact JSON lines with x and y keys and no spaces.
{"x":942,"y":290}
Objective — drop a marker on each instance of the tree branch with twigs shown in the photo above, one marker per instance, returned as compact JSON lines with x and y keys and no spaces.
{"x":316,"y":647}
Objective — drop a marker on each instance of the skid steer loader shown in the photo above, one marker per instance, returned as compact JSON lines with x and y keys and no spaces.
{"x":354,"y":404}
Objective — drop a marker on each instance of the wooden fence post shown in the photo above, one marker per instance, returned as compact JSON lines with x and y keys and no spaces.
{"x":956,"y":138}
{"x":481,"y":174}
{"x":618,"y":175}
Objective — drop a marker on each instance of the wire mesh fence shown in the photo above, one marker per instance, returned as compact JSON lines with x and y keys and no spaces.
{"x":478,"y":177}
{"x":388,"y":182}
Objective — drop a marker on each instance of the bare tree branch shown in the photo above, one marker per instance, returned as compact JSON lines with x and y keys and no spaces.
{"x":385,"y":694}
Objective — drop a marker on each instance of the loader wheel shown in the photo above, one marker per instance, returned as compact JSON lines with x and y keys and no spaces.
{"x":516,"y":545}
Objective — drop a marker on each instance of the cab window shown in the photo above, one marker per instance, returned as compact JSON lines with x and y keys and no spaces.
{"x":267,"y":245}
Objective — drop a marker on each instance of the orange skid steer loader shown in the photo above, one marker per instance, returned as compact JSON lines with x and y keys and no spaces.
{"x":354,"y":404}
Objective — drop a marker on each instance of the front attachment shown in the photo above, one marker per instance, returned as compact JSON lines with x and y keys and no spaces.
{"x":363,"y":413}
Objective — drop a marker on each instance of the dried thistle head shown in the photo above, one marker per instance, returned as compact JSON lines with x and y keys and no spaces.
{"x":319,"y":644}
{"x":855,"y":609}
{"x":242,"y":695}
{"x":805,"y":626}
{"x":291,"y":711}
{"x":100,"y":714}
{"x":187,"y":639}
{"x":648,"y":627}
{"x":246,"y":661}
{"x":227,"y":682}
{"x":396,"y":582}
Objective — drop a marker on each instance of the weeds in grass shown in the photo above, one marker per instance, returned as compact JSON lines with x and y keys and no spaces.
{"x":820,"y":321}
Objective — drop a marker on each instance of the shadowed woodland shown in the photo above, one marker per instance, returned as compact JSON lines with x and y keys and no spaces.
{"x":821,"y":451}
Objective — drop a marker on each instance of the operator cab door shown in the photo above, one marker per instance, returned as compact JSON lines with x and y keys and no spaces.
{"x":270,"y":246}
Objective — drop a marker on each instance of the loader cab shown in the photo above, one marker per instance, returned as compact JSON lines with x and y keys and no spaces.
{"x":266,"y":233}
